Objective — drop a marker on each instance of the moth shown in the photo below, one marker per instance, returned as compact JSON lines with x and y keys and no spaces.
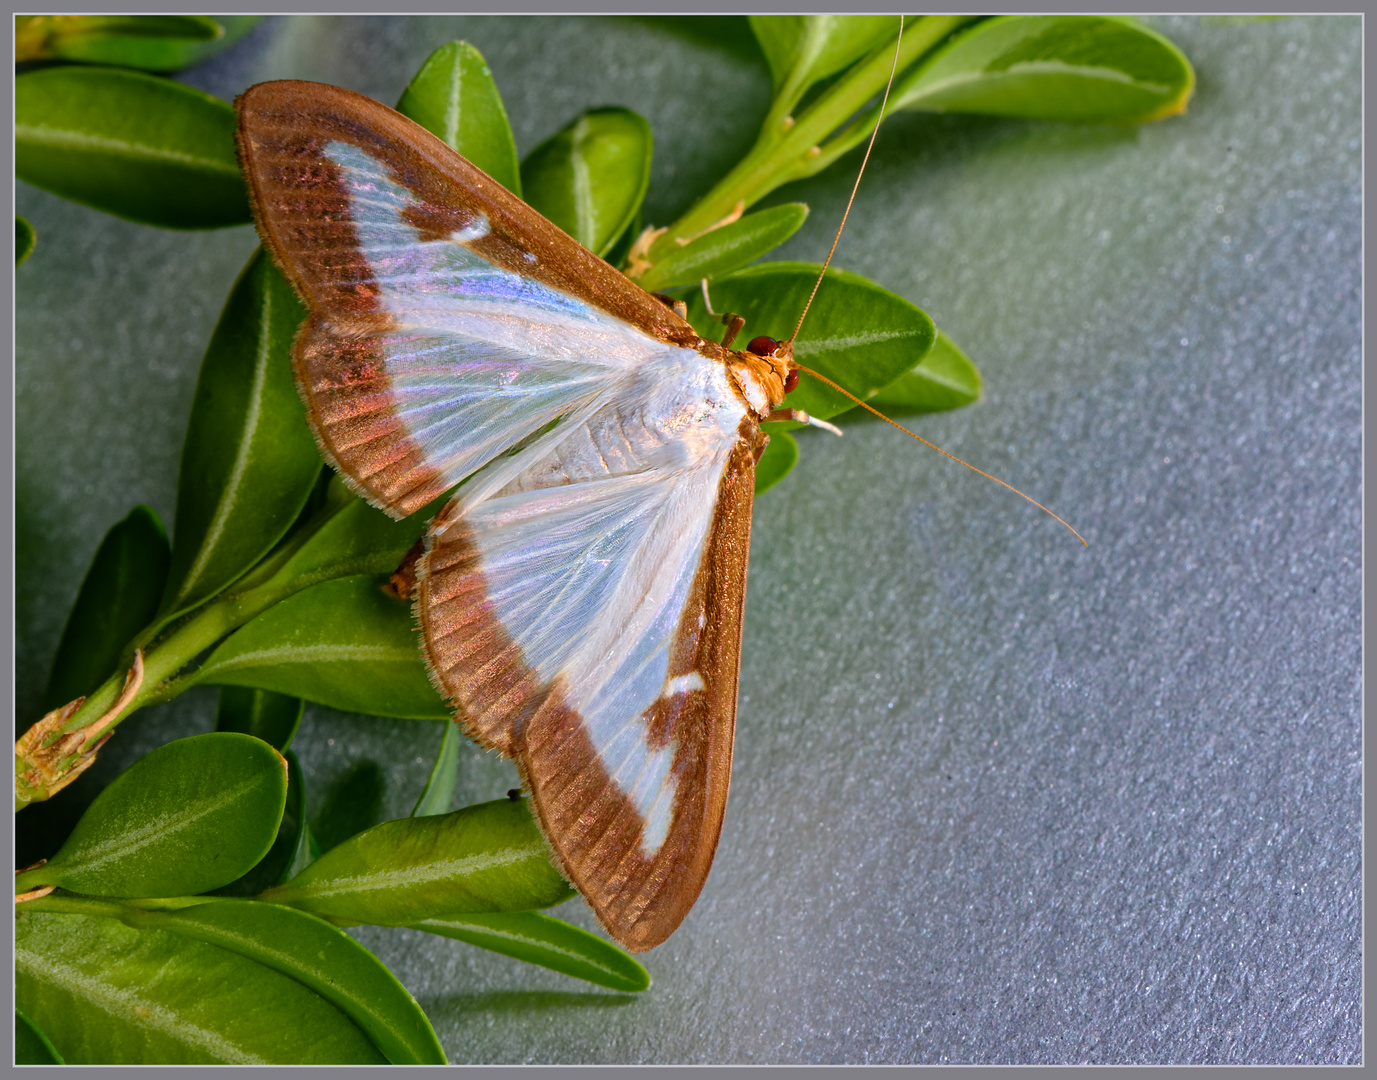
{"x":580,"y":596}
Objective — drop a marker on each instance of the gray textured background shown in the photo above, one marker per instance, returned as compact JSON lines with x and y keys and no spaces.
{"x":997,"y":798}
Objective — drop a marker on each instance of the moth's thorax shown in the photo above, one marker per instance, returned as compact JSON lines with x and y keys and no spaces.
{"x":760,"y":379}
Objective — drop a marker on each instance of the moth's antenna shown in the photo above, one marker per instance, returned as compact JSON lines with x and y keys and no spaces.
{"x":887,"y":420}
{"x":893,"y":68}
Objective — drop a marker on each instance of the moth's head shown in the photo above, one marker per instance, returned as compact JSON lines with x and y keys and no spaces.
{"x":766,"y":372}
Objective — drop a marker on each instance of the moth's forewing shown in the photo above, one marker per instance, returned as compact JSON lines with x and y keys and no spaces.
{"x":311,"y":218}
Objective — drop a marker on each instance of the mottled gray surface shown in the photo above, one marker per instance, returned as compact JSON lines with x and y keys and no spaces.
{"x":997,"y":798}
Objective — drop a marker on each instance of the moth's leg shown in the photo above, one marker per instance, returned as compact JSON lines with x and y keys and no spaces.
{"x":733,"y":323}
{"x":403,"y":580}
{"x":801,"y":417}
{"x":677,"y":306}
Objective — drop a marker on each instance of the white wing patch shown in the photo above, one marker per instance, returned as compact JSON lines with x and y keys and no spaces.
{"x":482,"y":357}
{"x":590,"y":551}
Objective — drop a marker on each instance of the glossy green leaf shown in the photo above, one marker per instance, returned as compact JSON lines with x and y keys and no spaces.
{"x":118,"y":598}
{"x":801,"y":49}
{"x":289,"y":854}
{"x":187,"y":818}
{"x":946,"y":379}
{"x":24,"y":239}
{"x":147,"y":42}
{"x":31,"y":1046}
{"x":454,"y":97}
{"x":264,"y":714}
{"x":343,"y":643}
{"x":856,"y":333}
{"x":249,"y":462}
{"x":590,"y":178}
{"x":549,"y":942}
{"x":353,"y":538}
{"x":130,"y":144}
{"x":444,"y":775}
{"x":489,"y":857}
{"x":778,"y":461}
{"x":1053,"y":67}
{"x":106,"y":993}
{"x":294,"y":824}
{"x":319,"y":956}
{"x":725,"y":249}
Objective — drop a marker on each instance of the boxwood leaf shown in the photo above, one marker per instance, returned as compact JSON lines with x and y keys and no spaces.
{"x":946,"y":379}
{"x":24,"y":239}
{"x":724,"y":249}
{"x":454,"y":97}
{"x":31,"y":1046}
{"x":289,"y":855}
{"x":264,"y":714}
{"x":189,"y":817}
{"x":130,"y":144}
{"x":106,"y":993}
{"x":590,"y":178}
{"x":118,"y":598}
{"x":549,"y":942}
{"x":488,"y":857}
{"x":344,"y":643}
{"x":856,"y":333}
{"x":1053,"y":67}
{"x":778,"y":461}
{"x":444,"y":774}
{"x":801,"y":49}
{"x":354,"y":539}
{"x":249,"y":462}
{"x":147,"y":42}
{"x":319,"y":956}
{"x":294,"y":826}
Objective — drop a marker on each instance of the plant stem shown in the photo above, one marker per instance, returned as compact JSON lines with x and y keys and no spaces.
{"x":788,"y":152}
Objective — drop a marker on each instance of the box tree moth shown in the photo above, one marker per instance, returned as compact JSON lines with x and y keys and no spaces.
{"x":580,"y":597}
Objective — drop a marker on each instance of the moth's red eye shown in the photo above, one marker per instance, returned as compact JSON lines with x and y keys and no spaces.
{"x":791,"y":381}
{"x":763,"y":346}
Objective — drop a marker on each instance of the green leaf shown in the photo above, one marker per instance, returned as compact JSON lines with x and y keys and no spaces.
{"x":454,"y":97}
{"x":801,"y":49}
{"x":143,"y":148}
{"x":147,"y":42}
{"x":249,"y":462}
{"x":289,"y":854}
{"x":778,"y":461}
{"x":354,"y":539}
{"x":263,"y":714}
{"x":549,"y":942}
{"x":590,"y":178}
{"x":319,"y":956}
{"x":725,"y":249}
{"x":187,"y":818}
{"x":489,"y":857}
{"x":946,"y":379}
{"x":24,"y":239}
{"x":31,"y":1046}
{"x":295,"y":827}
{"x":118,"y":598}
{"x":343,"y":643}
{"x":444,"y":774}
{"x":856,"y":333}
{"x":106,"y":993}
{"x":1053,"y":67}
